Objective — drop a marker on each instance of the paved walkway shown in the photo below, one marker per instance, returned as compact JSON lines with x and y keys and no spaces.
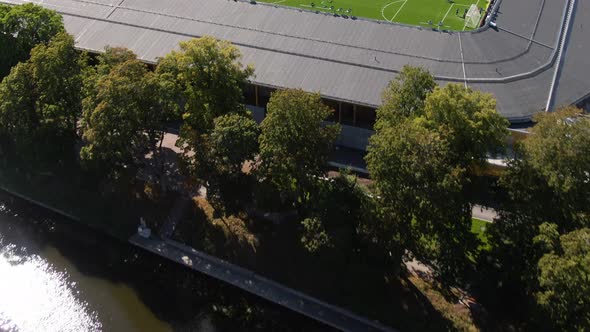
{"x":484,"y":213}
{"x":249,"y":281}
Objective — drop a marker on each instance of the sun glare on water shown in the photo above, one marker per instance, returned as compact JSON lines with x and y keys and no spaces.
{"x":35,"y":297}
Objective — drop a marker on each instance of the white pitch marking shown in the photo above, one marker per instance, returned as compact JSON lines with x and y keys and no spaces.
{"x":276,"y":2}
{"x":387,"y":5}
{"x":399,"y":10}
{"x":447,"y":14}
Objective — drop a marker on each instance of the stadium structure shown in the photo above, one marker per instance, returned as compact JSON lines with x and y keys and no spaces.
{"x":533,"y":55}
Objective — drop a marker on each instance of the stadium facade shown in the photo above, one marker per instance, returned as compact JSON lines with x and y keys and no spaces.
{"x":536,"y":57}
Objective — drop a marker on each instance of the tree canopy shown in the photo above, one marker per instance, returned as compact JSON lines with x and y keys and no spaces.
{"x":122,"y":113}
{"x":427,"y":138}
{"x":22,"y":28}
{"x":468,"y":120}
{"x":406,"y":94}
{"x":564,"y":278}
{"x":208,"y":77}
{"x":40,"y":100}
{"x":294,"y":143}
{"x":205,"y":80}
{"x":233,"y":141}
{"x":547,"y":182}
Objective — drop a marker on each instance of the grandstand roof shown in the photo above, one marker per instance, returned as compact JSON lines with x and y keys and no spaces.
{"x":354,"y":59}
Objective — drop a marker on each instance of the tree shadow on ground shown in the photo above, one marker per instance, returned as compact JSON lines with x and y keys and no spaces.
{"x":275,"y":251}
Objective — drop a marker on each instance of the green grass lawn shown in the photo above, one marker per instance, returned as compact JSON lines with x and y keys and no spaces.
{"x":427,"y":13}
{"x":479,"y":227}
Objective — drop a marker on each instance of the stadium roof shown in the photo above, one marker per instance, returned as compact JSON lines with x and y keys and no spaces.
{"x":354,"y":59}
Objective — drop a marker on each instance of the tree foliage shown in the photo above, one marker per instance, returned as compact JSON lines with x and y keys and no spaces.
{"x":40,"y":101}
{"x":314,"y":236}
{"x":208,"y":78}
{"x":21,"y":29}
{"x":123,"y":116}
{"x":406,"y":94}
{"x":344,"y":210}
{"x":564,"y":278}
{"x":294,"y":143}
{"x":427,"y":139}
{"x":468,"y":121}
{"x":548,"y":182}
{"x":233,"y":141}
{"x":205,"y":78}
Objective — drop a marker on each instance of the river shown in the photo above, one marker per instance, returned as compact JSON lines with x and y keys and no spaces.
{"x":58,"y":275}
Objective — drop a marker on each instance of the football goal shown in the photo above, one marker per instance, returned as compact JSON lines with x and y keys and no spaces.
{"x":473,"y":17}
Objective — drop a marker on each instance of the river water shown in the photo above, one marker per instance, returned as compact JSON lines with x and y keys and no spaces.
{"x":57,"y":275}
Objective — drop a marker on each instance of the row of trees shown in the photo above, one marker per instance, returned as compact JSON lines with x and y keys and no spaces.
{"x":428,"y":144}
{"x":540,"y":243}
{"x":114,"y":110}
{"x":428,"y":140}
{"x":61,"y":107}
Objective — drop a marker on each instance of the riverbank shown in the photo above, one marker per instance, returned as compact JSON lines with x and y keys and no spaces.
{"x":116,"y":213}
{"x":313,"y":308}
{"x":130,"y":289}
{"x":156,"y":280}
{"x":255,"y":284}
{"x":366,"y":290}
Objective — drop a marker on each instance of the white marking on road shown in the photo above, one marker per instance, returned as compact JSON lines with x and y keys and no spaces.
{"x":462,"y":60}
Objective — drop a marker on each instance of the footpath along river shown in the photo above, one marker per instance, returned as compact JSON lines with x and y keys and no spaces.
{"x":58,"y":275}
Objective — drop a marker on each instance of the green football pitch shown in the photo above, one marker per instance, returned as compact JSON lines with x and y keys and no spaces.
{"x":440,"y":14}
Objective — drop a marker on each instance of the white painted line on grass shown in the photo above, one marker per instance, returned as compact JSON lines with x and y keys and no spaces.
{"x":387,"y":5}
{"x":447,"y":14}
{"x":400,"y":8}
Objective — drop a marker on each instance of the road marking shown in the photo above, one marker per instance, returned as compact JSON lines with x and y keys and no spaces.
{"x":462,"y":60}
{"x":400,"y":8}
{"x":387,"y":5}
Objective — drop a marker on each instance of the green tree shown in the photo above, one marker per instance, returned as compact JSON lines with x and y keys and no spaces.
{"x":22,"y":28}
{"x":564,"y":278}
{"x":58,"y":69}
{"x":420,"y":193}
{"x":547,"y":182}
{"x":206,"y":78}
{"x":406,"y":93}
{"x":122,"y":119}
{"x":421,"y":156}
{"x":468,"y":120}
{"x":314,"y":236}
{"x":40,"y":101}
{"x":294,"y":143}
{"x":209,"y":78}
{"x":233,"y":141}
{"x":18,"y":112}
{"x":344,"y":210}
{"x":558,"y":150}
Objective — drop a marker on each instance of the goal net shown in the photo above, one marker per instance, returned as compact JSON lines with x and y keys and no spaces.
{"x":473,"y":17}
